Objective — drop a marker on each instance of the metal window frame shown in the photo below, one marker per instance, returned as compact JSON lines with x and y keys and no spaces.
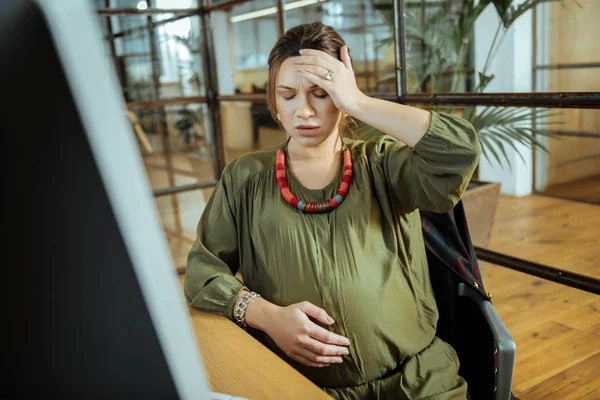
{"x":580,"y":100}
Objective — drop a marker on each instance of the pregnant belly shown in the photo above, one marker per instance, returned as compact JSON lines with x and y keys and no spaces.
{"x":384,"y":327}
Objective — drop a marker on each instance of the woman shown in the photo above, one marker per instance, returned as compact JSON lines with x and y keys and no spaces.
{"x":326,"y":231}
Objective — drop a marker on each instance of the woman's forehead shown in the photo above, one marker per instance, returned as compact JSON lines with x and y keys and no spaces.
{"x":290,"y":79}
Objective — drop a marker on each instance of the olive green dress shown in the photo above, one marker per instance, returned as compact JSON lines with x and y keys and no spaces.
{"x":364,"y":262}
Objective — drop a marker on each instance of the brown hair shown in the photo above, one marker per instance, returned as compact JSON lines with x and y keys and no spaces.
{"x":315,"y":36}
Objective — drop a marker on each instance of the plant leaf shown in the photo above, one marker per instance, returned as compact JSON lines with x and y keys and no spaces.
{"x":485,"y":141}
{"x":508,"y":139}
{"x":502,"y":126}
{"x":500,"y":145}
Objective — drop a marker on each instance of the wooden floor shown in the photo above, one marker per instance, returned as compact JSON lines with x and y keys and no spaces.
{"x":587,"y":189}
{"x":556,"y":328}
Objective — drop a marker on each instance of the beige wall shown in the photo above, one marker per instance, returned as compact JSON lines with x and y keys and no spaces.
{"x":574,"y":38}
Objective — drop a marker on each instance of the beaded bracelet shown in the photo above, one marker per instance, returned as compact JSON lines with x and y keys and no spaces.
{"x":242,"y":305}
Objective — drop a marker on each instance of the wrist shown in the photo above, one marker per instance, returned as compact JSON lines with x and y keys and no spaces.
{"x":259,"y":313}
{"x":359,"y":106}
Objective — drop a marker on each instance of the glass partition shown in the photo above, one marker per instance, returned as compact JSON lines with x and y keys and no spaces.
{"x":248,"y":127}
{"x":175,"y":144}
{"x":367,"y":28}
{"x":253,"y":28}
{"x":571,"y":167}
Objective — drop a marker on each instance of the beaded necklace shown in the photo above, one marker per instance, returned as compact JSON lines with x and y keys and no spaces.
{"x":319,"y":206}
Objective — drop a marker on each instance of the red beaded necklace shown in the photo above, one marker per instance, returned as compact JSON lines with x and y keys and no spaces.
{"x":319,"y":206}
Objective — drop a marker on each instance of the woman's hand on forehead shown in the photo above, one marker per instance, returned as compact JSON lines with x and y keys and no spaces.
{"x":334,"y":76}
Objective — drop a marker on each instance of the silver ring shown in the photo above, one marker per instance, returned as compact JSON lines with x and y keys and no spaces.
{"x":329,"y":75}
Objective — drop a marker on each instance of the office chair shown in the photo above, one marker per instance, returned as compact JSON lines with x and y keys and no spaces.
{"x":467,"y":318}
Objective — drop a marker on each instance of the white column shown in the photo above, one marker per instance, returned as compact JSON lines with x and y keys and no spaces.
{"x":512,"y":69}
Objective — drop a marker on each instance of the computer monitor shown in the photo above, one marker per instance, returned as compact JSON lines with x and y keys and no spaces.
{"x":92,"y":302}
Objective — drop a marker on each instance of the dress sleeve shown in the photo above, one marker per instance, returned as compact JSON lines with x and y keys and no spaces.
{"x":210,"y":284}
{"x":433,"y":175}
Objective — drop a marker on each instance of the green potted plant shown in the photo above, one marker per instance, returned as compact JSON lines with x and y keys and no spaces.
{"x":437,"y":46}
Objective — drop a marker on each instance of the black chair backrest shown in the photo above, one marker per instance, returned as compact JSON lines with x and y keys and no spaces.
{"x":460,"y":322}
{"x":462,"y":325}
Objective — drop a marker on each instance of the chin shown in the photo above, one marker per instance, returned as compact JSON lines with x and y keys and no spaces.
{"x":309,"y":141}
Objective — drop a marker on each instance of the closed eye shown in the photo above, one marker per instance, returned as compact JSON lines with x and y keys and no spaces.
{"x":318,"y":96}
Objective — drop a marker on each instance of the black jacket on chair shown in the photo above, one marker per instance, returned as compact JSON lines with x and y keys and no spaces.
{"x":452,"y":261}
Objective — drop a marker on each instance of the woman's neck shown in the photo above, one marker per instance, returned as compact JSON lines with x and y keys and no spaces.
{"x":330,"y":148}
{"x":316,"y":167}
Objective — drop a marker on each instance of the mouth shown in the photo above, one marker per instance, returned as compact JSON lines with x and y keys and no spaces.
{"x":307,"y":130}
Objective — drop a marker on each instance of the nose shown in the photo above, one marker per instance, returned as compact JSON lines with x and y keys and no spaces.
{"x":304,"y":109}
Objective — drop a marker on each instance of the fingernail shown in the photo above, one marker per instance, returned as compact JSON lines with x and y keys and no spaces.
{"x":347,"y":342}
{"x":346,"y":352}
{"x":339,"y":360}
{"x":331,"y":321}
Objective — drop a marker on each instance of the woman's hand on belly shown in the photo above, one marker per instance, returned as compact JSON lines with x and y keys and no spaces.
{"x":303,"y":340}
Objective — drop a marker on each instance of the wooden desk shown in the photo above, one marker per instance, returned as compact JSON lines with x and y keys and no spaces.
{"x":239,"y":365}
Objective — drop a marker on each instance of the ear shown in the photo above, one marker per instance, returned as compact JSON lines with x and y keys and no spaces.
{"x":345,"y":56}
